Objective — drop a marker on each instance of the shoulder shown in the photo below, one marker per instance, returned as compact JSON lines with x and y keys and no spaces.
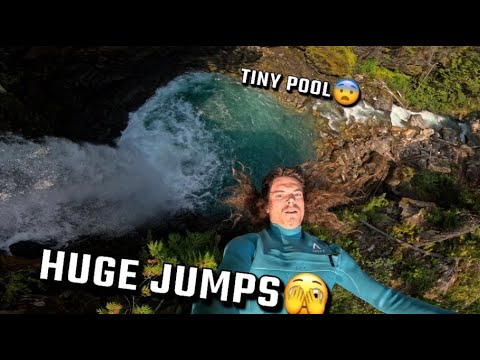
{"x":329,"y":248}
{"x":335,"y":248}
{"x":242,"y":242}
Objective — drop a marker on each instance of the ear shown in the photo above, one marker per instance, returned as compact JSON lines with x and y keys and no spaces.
{"x":262,"y":208}
{"x":266,"y":207}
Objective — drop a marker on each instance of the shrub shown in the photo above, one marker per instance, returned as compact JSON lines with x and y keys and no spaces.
{"x":193,"y":249}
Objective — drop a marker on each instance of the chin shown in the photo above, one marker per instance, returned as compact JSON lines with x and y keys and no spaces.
{"x":292,"y":224}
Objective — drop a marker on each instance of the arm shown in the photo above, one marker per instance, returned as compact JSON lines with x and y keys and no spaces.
{"x":352,"y":278}
{"x":238,"y":256}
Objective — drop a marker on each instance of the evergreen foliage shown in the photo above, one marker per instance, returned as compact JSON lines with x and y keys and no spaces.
{"x":192,"y":249}
{"x":449,"y":86}
{"x":18,"y":284}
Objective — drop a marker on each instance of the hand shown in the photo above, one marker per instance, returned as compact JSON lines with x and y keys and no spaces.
{"x":315,"y":304}
{"x":295,"y":300}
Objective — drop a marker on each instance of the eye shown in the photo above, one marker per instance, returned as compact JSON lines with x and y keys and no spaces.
{"x":351,"y":92}
{"x":298,"y":195}
{"x":317,"y":294}
{"x":341,"y":90}
{"x":278,"y":196}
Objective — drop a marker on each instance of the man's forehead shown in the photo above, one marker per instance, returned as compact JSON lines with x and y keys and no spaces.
{"x":286,"y":182}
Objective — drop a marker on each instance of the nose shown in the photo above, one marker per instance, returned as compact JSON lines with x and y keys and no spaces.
{"x":291,"y":199}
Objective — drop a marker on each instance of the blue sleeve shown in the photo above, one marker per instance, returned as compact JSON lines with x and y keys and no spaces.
{"x":237,"y":256}
{"x":352,"y":278}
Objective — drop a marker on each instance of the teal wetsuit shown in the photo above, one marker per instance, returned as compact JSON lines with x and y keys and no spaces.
{"x":283,"y":253}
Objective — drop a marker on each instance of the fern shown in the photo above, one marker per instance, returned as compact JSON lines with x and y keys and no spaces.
{"x":206,"y":260}
{"x":152,"y":270}
{"x":175,"y":243}
{"x":146,"y":291}
{"x":111,"y":308}
{"x":157,"y":250}
{"x":193,"y":249}
{"x":142,"y":309}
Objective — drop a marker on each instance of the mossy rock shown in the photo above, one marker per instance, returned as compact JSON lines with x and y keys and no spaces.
{"x":331,"y":60}
{"x":413,"y":70}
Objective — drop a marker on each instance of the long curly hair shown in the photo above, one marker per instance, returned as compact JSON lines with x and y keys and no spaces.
{"x":323,"y":189}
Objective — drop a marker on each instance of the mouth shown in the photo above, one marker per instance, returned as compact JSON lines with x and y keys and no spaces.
{"x":345,"y":98}
{"x":290,"y":212}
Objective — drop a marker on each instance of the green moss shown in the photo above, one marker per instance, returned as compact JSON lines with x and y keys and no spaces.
{"x":407,"y":172}
{"x":332,"y":60}
{"x":465,"y":295}
{"x":452,"y":87}
{"x":375,"y":208}
{"x":344,"y":302}
{"x":375,"y":211}
{"x":457,"y":84}
{"x":394,"y":79}
{"x":445,"y":219}
{"x":419,"y":279}
{"x":405,"y":231}
{"x":470,"y":199}
{"x":466,"y":246}
{"x":441,"y":189}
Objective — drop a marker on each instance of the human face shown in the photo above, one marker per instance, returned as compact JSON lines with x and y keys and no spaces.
{"x":285,"y":202}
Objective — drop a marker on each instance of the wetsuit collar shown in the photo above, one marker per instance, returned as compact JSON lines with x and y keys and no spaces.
{"x":295,"y":233}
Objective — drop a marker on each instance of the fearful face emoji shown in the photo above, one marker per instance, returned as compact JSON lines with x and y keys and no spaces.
{"x":305,"y":293}
{"x":346,"y":92}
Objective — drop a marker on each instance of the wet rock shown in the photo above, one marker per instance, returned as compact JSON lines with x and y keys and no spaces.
{"x":409,"y":134}
{"x":416,"y":120}
{"x":439,"y":165}
{"x":411,"y":207}
{"x":30,"y":249}
{"x":418,"y":220}
{"x":383,"y":102}
{"x":426,"y":133}
{"x":376,"y":93}
{"x":395,"y":178}
{"x":449,"y":134}
{"x":475,"y":126}
{"x":472,"y":172}
{"x":14,"y":263}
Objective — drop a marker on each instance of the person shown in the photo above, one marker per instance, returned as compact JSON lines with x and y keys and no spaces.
{"x":283,"y":250}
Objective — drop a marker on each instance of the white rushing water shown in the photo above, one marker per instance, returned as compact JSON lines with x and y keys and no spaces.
{"x":398,"y":117}
{"x":60,"y":190}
